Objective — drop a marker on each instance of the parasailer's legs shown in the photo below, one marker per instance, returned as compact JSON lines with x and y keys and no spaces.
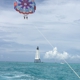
{"x":25,"y":16}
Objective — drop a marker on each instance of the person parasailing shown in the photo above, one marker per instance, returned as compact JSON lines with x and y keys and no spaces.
{"x":25,"y":7}
{"x":25,"y":16}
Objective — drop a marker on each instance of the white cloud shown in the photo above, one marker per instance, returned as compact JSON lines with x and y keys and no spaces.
{"x":59,"y":56}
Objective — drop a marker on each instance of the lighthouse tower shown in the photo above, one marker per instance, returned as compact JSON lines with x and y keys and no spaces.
{"x":37,"y":56}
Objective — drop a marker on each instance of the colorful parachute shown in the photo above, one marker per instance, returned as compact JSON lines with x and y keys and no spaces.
{"x":25,"y":7}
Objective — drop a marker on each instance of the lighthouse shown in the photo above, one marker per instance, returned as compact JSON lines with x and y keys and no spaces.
{"x":37,"y":56}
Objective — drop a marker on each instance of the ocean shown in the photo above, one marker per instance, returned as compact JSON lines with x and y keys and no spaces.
{"x":37,"y":71}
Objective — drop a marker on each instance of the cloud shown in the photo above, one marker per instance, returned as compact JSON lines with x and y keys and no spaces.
{"x":59,"y":56}
{"x":59,"y":11}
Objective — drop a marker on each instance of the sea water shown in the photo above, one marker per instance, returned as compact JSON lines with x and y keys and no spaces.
{"x":37,"y":71}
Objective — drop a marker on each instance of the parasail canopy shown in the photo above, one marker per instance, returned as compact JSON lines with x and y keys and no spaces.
{"x":25,"y":6}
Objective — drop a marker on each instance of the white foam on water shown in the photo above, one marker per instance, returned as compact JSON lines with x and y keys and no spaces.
{"x":17,"y":75}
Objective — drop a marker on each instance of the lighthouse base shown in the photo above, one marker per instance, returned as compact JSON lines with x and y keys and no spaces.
{"x":37,"y":61}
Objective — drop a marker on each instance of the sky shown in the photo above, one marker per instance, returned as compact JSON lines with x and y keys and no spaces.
{"x":54,"y":27}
